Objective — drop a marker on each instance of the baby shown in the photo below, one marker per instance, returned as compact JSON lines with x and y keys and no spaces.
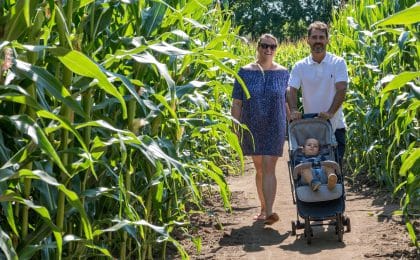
{"x":313,"y":168}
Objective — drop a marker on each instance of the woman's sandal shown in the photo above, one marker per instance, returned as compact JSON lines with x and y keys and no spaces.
{"x":273,"y":218}
{"x":260,"y":216}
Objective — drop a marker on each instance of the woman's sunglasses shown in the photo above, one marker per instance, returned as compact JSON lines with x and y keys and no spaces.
{"x":265,"y":46}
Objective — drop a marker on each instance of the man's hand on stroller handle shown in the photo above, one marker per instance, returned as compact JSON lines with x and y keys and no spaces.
{"x":326,"y":115}
{"x":296,"y":114}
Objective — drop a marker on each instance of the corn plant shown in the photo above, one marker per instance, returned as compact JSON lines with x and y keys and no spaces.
{"x":288,"y":53}
{"x":114,"y":117}
{"x":380,"y":42}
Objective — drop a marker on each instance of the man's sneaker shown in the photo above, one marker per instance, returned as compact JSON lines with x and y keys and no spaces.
{"x":315,"y":184}
{"x":332,"y":181}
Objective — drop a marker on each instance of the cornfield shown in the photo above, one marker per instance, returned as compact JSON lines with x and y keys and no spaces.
{"x":112,"y":124}
{"x":380,"y":43}
{"x":115,"y":118}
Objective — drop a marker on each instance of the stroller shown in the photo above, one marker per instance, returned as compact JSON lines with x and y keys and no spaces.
{"x":323,"y":205}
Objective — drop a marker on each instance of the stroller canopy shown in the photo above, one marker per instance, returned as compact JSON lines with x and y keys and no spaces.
{"x":300,"y":130}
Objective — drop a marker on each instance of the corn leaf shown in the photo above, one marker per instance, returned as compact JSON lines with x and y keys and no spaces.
{"x":410,"y":161}
{"x":80,"y":64}
{"x":400,"y":80}
{"x":405,"y":17}
{"x":44,"y":79}
{"x":7,"y":246}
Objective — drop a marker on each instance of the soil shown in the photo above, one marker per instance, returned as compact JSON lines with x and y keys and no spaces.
{"x":375,"y":232}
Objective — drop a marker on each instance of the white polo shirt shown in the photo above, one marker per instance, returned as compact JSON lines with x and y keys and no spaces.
{"x":318,"y":84}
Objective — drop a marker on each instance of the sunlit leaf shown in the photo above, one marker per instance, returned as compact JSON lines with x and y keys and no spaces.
{"x":189,"y":88}
{"x":400,"y":80}
{"x":168,"y":49}
{"x":412,"y":233}
{"x":82,"y":65}
{"x":123,"y":223}
{"x":411,"y":161}
{"x":44,"y":79}
{"x":195,"y":23}
{"x":407,"y":16}
{"x":216,"y":174}
{"x":352,"y":22}
{"x":147,"y":58}
{"x":17,"y":98}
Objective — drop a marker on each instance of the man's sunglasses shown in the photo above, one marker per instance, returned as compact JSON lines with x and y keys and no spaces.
{"x":265,"y":46}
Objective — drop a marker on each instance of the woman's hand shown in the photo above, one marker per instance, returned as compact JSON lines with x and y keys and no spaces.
{"x":295,"y":114}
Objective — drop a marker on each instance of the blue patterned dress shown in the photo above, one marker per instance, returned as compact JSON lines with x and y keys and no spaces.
{"x":265,"y":112}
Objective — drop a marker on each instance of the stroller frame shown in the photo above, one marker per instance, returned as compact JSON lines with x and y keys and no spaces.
{"x":314,"y":213}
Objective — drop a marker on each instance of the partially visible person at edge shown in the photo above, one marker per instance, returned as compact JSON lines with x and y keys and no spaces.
{"x":323,"y":78}
{"x":265,"y":116}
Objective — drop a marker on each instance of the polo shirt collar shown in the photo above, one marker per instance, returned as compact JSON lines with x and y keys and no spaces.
{"x":327,"y":58}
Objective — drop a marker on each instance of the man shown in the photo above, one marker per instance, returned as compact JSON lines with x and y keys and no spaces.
{"x":323,"y":78}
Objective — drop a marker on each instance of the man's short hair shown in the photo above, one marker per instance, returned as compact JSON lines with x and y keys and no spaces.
{"x":318,"y":26}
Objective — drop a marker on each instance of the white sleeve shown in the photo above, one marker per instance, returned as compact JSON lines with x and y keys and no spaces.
{"x":341,"y":73}
{"x":294,"y":79}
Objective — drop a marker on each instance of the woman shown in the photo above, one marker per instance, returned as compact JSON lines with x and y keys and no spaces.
{"x":265,"y":116}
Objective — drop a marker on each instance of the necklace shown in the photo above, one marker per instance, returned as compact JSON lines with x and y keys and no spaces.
{"x":261,"y":67}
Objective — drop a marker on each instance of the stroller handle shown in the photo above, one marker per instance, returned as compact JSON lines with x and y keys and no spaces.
{"x":310,"y":115}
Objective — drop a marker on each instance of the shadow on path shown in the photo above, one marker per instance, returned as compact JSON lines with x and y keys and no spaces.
{"x":324,"y":239}
{"x":253,"y":238}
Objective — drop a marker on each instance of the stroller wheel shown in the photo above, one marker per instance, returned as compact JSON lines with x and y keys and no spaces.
{"x":308,"y":231}
{"x":339,"y":227}
{"x":347,"y":224}
{"x":293,"y":228}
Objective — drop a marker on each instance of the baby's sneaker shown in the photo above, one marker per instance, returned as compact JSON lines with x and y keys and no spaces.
{"x":332,"y":181}
{"x":315,"y":184}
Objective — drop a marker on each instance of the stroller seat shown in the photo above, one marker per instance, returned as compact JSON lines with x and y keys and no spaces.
{"x":306,"y":194}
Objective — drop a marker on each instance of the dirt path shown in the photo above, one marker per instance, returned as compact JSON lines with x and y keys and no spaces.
{"x":375,"y":232}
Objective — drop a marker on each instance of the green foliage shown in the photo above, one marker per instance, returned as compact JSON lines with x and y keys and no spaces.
{"x":114,"y":122}
{"x":380,"y":43}
{"x":285,"y":19}
{"x":289,"y":53}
